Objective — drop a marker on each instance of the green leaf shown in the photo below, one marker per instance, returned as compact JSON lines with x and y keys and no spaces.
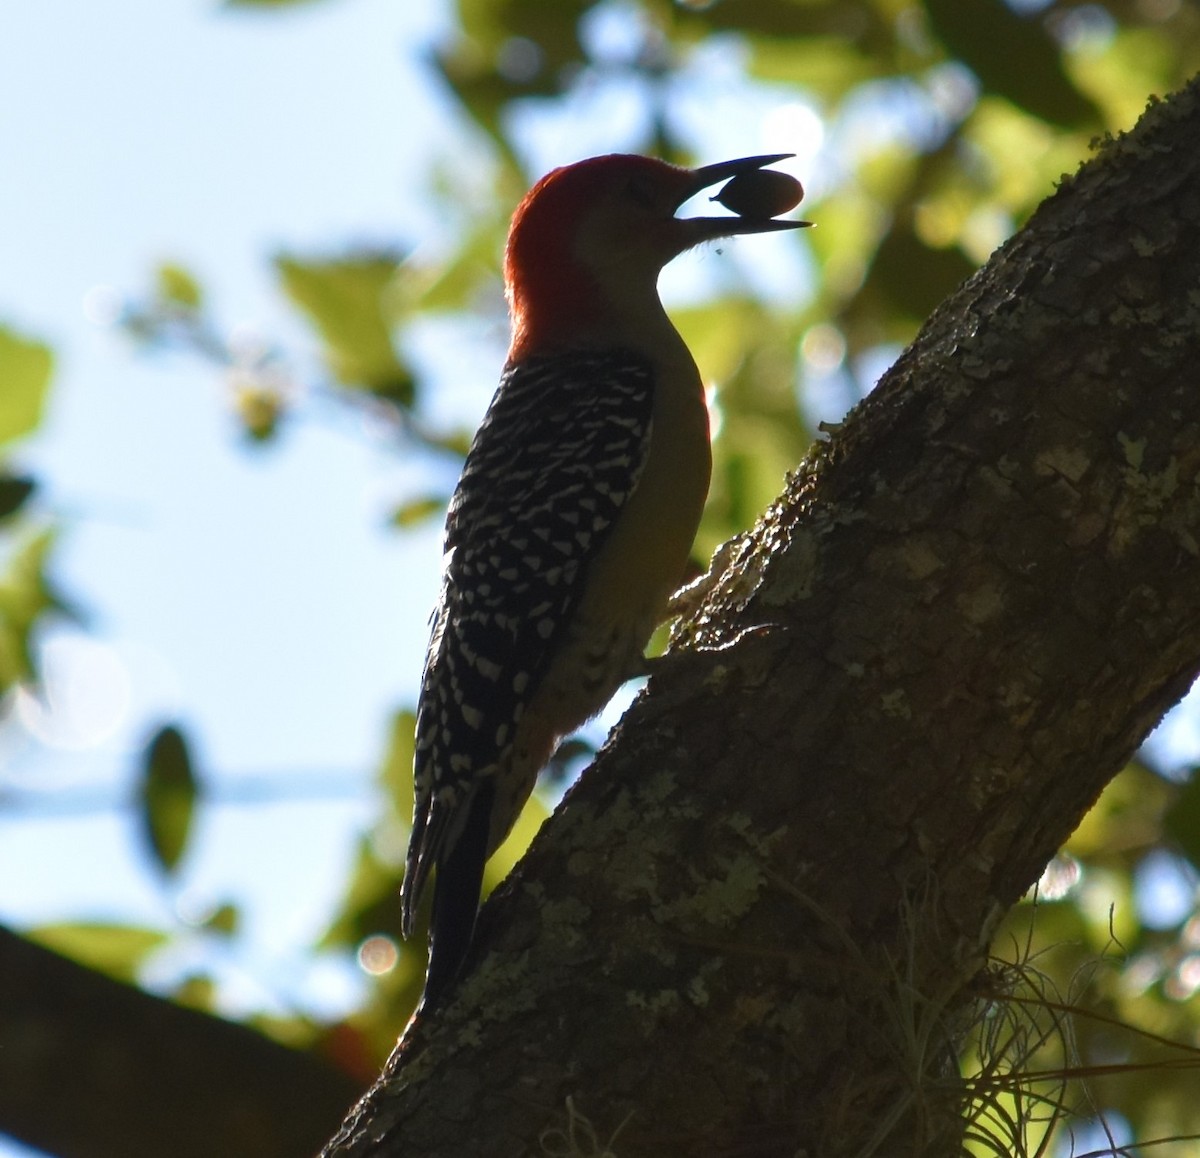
{"x":486,"y":90}
{"x":1182,"y":819}
{"x":259,"y":407}
{"x":25,"y":369}
{"x":25,"y":596}
{"x":371,"y":903}
{"x":514,"y":846}
{"x":178,"y":287}
{"x":457,"y":282}
{"x":225,"y":920}
{"x":396,"y":771}
{"x":1127,"y":815}
{"x":417,"y":511}
{"x":372,"y":900}
{"x":167,"y":796}
{"x":115,"y":950}
{"x":913,"y":277}
{"x":196,"y":992}
{"x":1013,"y":56}
{"x":751,"y":354}
{"x":826,"y":65}
{"x":1135,"y":62}
{"x":456,"y":442}
{"x":525,"y":45}
{"x":15,"y":489}
{"x":349,"y":300}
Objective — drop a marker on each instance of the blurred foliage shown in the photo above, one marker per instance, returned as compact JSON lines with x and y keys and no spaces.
{"x":347,"y":300}
{"x":25,"y":370}
{"x":927,"y":131}
{"x":26,"y":543}
{"x":178,"y":286}
{"x":15,"y":491}
{"x":117,"y":950}
{"x":1123,"y":982}
{"x":1182,"y":819}
{"x":26,"y":599}
{"x":167,"y":794}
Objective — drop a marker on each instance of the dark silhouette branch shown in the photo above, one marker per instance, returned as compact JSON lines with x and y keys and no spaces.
{"x":91,"y":1068}
{"x":755,"y":924}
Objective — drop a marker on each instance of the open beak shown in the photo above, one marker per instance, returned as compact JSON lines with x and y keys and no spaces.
{"x":707,"y":228}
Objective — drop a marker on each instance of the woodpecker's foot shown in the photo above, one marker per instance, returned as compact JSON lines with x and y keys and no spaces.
{"x":661,"y":663}
{"x":685,"y":602}
{"x":756,"y":631}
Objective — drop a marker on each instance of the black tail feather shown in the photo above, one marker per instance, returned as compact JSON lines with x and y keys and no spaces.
{"x":456,"y":888}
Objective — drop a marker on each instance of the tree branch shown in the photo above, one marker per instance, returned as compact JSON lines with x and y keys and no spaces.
{"x":754,"y":925}
{"x":91,"y":1068}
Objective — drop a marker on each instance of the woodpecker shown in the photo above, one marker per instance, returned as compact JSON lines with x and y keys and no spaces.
{"x":574,"y":517}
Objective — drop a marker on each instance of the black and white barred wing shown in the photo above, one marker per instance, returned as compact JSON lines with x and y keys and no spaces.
{"x":553,"y":463}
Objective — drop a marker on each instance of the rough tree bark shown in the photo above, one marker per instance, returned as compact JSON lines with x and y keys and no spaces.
{"x":974,"y":602}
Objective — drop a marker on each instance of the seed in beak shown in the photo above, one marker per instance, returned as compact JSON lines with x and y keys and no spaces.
{"x":761,"y":194}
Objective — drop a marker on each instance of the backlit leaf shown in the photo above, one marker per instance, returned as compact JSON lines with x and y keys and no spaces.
{"x":116,"y":950}
{"x":348,"y":299}
{"x":167,"y":796}
{"x":25,"y":369}
{"x":25,"y":596}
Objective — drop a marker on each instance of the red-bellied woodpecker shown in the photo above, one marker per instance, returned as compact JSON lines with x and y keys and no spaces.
{"x":573,"y":519}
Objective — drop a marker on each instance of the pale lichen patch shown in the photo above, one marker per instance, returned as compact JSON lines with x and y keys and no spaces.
{"x":982,"y":604}
{"x":895,"y":704}
{"x":1069,"y":462}
{"x":567,"y":916}
{"x":752,"y":1009}
{"x":1154,"y":490}
{"x":664,"y":1001}
{"x":697,"y":987}
{"x":760,"y":843}
{"x":718,"y":900}
{"x":1134,"y":449}
{"x":919,"y":559}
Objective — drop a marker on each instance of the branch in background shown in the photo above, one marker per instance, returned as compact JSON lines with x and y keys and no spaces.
{"x":91,"y":1068}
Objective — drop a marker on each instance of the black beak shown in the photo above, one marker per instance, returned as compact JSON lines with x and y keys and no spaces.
{"x":708,"y":228}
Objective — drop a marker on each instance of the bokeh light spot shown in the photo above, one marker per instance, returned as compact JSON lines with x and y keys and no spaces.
{"x":378,"y":954}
